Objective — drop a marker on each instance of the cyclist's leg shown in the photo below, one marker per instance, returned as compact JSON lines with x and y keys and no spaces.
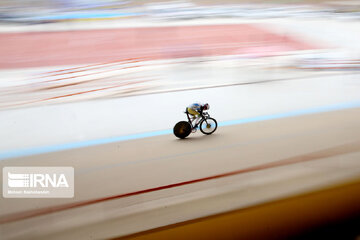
{"x":193,"y":113}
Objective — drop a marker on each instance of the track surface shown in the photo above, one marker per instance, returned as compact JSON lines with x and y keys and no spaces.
{"x":322,"y":148}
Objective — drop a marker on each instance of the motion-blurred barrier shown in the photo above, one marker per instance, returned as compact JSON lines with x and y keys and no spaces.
{"x":79,"y":83}
{"x":275,"y":220}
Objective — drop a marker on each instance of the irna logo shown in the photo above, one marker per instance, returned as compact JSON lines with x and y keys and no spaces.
{"x":37,"y":180}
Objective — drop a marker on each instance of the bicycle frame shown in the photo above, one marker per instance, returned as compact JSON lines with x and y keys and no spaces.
{"x":204,"y":116}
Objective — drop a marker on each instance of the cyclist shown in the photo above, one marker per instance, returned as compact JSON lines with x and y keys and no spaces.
{"x":196,"y":109}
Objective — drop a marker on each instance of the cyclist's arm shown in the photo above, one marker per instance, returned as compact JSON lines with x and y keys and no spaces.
{"x":201,"y":110}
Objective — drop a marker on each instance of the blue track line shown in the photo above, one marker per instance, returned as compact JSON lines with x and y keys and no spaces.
{"x":68,"y":146}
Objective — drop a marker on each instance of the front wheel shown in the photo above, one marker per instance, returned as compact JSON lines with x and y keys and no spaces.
{"x":208,"y":126}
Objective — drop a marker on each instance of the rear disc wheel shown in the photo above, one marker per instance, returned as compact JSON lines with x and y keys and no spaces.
{"x":182,"y":129}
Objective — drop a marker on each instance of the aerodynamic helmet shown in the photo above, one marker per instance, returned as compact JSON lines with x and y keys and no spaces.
{"x":206,"y":106}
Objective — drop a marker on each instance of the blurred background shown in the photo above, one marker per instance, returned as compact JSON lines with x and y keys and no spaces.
{"x":87,"y":83}
{"x":127,"y":39}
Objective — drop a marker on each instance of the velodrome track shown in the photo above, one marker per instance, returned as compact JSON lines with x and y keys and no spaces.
{"x":131,"y":186}
{"x":128,"y":186}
